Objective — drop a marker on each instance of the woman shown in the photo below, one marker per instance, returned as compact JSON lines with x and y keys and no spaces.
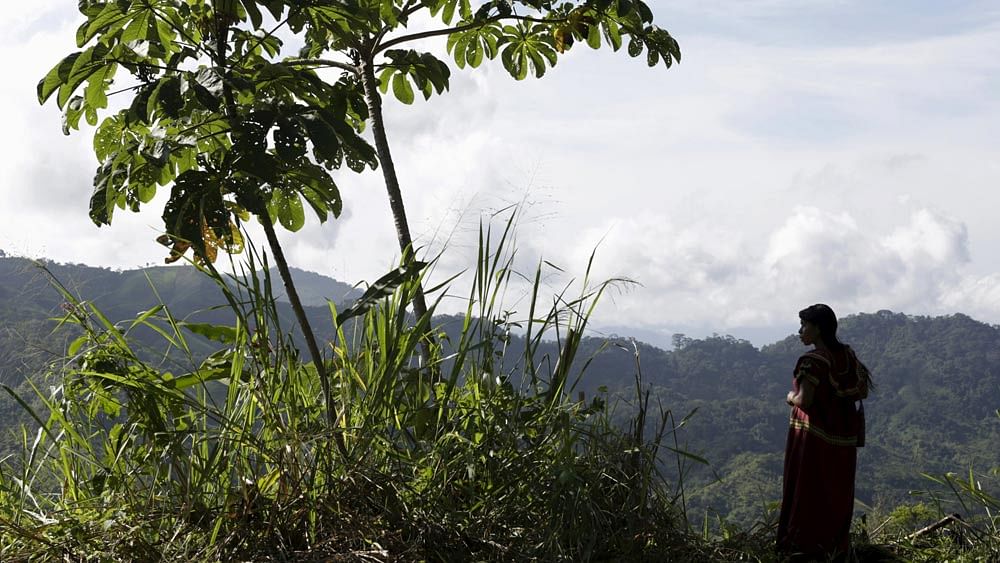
{"x":824,"y":432}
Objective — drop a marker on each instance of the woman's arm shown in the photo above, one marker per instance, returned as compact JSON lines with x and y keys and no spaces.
{"x":804,"y":397}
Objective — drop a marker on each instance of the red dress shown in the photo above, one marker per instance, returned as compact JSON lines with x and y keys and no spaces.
{"x":820,"y":455}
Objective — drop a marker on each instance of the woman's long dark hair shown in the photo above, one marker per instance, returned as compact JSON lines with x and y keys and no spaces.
{"x":823,"y":317}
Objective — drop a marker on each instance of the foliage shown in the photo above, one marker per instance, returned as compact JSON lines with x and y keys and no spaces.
{"x":370,"y":41}
{"x":233,"y":457}
{"x":220,"y":115}
{"x":236,"y":128}
{"x":214,"y":113}
{"x":934,"y":410}
{"x":740,"y":422}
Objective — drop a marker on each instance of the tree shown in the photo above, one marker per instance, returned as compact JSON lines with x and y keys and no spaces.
{"x":235,"y":129}
{"x":368,"y":40}
{"x":216,"y":115}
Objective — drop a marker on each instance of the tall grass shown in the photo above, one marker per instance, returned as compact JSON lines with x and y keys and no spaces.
{"x":963,"y":514}
{"x":472,"y":451}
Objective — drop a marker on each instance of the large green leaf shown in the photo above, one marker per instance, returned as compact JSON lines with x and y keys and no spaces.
{"x":138,"y":112}
{"x":634,"y":47}
{"x":624,"y":8}
{"x":594,"y":36}
{"x":72,"y":114}
{"x":261,"y":167}
{"x":107,"y":21}
{"x":207,"y":87}
{"x":196,"y":205}
{"x":644,"y":12}
{"x":325,"y":143}
{"x":286,"y":206}
{"x":429,"y":73}
{"x":253,"y":13}
{"x":652,"y":57}
{"x":139,"y":28}
{"x":382,"y":288}
{"x":289,"y":141}
{"x":107,"y":139}
{"x":106,"y":183}
{"x":219,"y":333}
{"x":612,"y":33}
{"x":318,"y":188}
{"x":475,"y":53}
{"x":56,"y":77}
{"x":96,"y":93}
{"x":88,"y":63}
{"x":166,"y":95}
{"x":448,"y":14}
{"x":401,"y":88}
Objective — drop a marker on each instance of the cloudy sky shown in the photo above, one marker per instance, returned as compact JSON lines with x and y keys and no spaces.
{"x":838,"y":151}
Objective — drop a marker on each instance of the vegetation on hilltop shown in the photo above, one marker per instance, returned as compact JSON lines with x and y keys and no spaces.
{"x":232,"y":456}
{"x":738,"y":427}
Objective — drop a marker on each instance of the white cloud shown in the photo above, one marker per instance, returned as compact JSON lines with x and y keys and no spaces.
{"x":930,"y":240}
{"x":708,"y":274}
{"x":977,"y":296}
{"x":821,"y":256}
{"x":816,"y":257}
{"x":691,"y":174}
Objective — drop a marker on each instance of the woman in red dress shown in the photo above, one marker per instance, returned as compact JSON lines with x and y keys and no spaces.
{"x":825,"y":430}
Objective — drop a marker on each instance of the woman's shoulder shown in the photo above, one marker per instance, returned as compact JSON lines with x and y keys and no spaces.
{"x":823,"y":357}
{"x":813,"y":366}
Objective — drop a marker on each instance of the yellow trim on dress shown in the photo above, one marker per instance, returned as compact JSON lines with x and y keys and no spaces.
{"x":799,"y":424}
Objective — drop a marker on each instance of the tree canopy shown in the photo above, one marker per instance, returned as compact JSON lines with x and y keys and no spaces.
{"x":235,"y":127}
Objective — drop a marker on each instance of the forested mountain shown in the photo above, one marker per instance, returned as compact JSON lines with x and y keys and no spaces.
{"x":935,"y":408}
{"x":30,"y":306}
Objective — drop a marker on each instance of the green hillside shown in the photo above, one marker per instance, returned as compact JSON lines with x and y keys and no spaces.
{"x":30,"y":307}
{"x":935,"y":409}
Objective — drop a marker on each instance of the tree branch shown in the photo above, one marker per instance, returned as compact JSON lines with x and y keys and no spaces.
{"x":433,"y":33}
{"x":935,"y":526}
{"x":308,"y":335}
{"x":180,"y":31}
{"x":262,"y":39}
{"x":460,"y":28}
{"x":374,"y":101}
{"x":216,"y":134}
{"x":123,"y":90}
{"x":324,"y":63}
{"x":407,"y":10}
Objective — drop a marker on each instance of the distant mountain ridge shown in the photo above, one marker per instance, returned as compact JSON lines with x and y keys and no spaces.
{"x":935,"y":409}
{"x":29,"y":302}
{"x":178,"y":285}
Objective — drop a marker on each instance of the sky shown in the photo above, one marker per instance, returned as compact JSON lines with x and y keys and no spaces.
{"x":804,"y":151}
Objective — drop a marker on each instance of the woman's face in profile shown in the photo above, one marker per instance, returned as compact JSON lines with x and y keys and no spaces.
{"x":808,"y":333}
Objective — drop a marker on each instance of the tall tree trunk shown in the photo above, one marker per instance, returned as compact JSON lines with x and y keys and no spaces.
{"x":374,"y":101}
{"x":272,"y":241}
{"x":300,"y":312}
{"x":307,"y":332}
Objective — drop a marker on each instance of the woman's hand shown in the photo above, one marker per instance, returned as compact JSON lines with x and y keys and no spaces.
{"x":804,"y":398}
